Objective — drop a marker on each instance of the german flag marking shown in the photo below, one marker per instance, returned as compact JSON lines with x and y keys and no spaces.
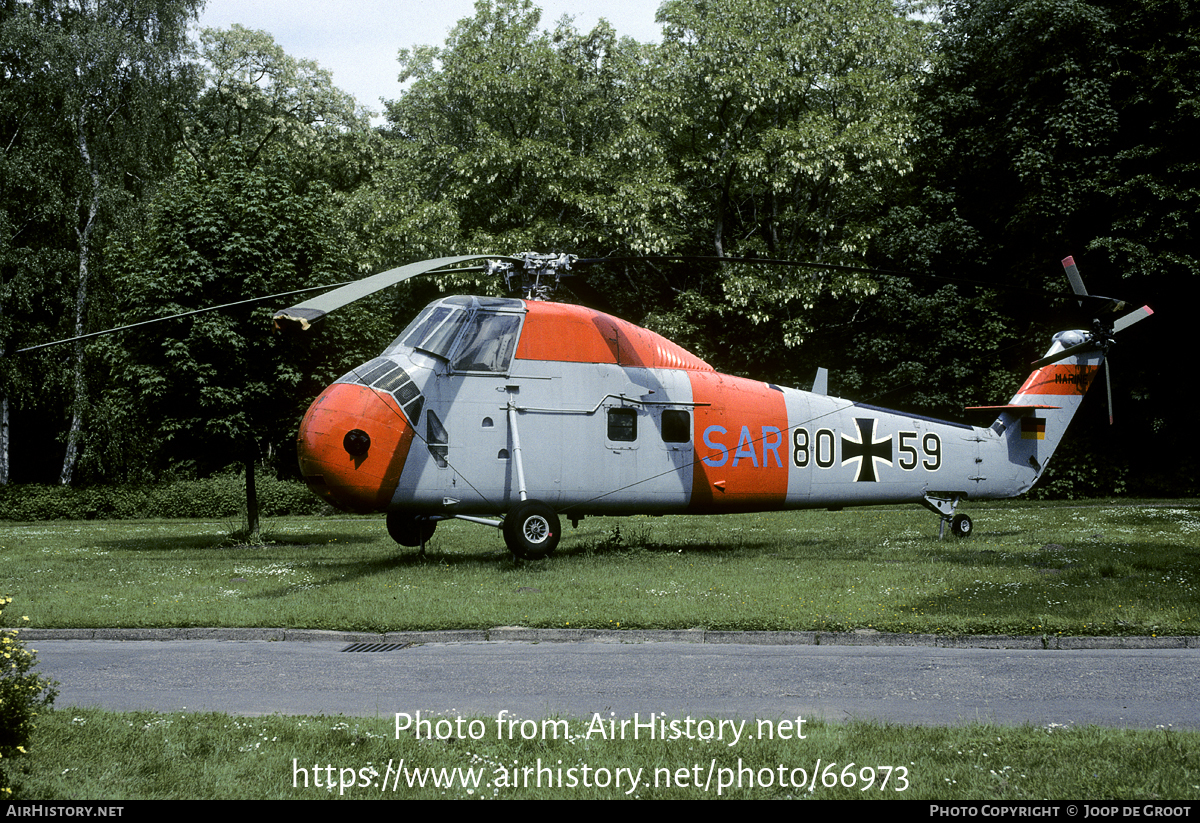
{"x":1033,"y":428}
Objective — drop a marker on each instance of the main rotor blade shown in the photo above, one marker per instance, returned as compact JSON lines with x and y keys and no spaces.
{"x":181,"y":314}
{"x":304,"y":314}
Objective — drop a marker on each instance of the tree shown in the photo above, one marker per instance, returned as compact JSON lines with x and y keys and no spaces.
{"x":35,"y":209}
{"x":787,"y":119}
{"x":754,"y":128}
{"x":1055,"y":128}
{"x":97,"y":83}
{"x":512,"y":138}
{"x":250,"y":211}
{"x":788,"y":124}
{"x":215,"y":386}
{"x":255,"y":96}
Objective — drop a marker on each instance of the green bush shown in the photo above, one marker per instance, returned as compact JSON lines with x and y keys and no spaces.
{"x":1078,"y":471}
{"x":219,"y":497}
{"x":23,"y":695}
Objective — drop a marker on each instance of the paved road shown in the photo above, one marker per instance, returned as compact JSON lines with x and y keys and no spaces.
{"x":1117,"y":687}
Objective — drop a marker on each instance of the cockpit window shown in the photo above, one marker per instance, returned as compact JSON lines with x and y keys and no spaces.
{"x":434,"y":330}
{"x":470,"y":337}
{"x":488,"y":343}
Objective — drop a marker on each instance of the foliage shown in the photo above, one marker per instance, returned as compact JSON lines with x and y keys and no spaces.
{"x":1080,"y":472}
{"x":23,"y":695}
{"x":512,"y":138}
{"x":250,"y":211}
{"x":220,"y":496}
{"x":926,"y":347}
{"x":1056,"y":127}
{"x":112,"y":74}
{"x":215,"y":387}
{"x":787,"y":125}
{"x":754,"y":128}
{"x":1152,"y":187}
{"x":787,"y":120}
{"x":255,"y":96}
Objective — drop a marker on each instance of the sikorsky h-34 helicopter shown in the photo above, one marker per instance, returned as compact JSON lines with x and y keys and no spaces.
{"x":515,"y":413}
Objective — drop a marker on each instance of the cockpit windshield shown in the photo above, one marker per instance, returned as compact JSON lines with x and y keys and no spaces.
{"x":470,"y":336}
{"x":434,"y":330}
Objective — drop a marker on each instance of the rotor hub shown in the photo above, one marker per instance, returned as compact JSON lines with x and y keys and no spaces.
{"x":539,"y":274}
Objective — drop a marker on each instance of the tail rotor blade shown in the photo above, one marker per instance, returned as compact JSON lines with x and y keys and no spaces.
{"x":1065,"y":353}
{"x":1128,"y":320}
{"x":1108,"y":388}
{"x":1073,"y":275}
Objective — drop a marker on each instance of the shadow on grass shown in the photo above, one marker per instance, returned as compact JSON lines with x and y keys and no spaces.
{"x":222,"y":542}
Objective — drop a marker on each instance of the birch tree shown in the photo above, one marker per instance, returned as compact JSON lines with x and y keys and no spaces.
{"x":111,"y":73}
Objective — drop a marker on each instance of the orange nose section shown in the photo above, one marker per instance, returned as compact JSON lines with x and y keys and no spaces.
{"x":352,"y":445}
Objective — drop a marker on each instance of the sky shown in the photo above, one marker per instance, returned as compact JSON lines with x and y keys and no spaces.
{"x":358,"y":40}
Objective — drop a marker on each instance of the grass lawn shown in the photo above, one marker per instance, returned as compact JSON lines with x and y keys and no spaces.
{"x":89,"y":754}
{"x":1102,"y":568}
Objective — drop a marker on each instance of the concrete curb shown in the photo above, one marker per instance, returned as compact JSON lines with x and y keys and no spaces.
{"x":522,"y":634}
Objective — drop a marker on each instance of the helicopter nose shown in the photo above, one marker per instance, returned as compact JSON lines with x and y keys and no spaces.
{"x":352,"y":445}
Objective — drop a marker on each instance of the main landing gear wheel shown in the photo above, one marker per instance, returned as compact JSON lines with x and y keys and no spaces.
{"x":408,"y":529}
{"x":531,"y":530}
{"x":961,"y":526}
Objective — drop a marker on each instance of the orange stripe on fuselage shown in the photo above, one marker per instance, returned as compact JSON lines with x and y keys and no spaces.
{"x":574,"y":334}
{"x":741,"y":441}
{"x":1059,"y":378}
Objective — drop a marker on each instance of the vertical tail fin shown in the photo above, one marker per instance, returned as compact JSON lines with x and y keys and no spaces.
{"x":1033,"y":423}
{"x":1036,"y":418}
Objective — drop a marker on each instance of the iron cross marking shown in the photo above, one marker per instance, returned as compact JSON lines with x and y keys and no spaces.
{"x":866,"y":450}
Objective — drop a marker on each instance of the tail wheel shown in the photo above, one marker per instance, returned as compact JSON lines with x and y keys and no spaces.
{"x":531,"y":530}
{"x":961,"y":526}
{"x":408,"y":529}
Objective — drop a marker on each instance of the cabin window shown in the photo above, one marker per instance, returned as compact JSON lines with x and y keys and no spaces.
{"x":437,"y":440}
{"x":622,"y":425}
{"x":676,"y":426}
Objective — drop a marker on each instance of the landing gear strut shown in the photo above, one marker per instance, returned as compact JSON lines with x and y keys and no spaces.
{"x":960,"y":524}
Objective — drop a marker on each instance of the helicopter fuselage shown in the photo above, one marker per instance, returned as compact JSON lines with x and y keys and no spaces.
{"x":482,"y":403}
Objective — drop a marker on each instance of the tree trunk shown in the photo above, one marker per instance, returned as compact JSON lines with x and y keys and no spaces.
{"x":3,"y":439}
{"x":84,"y":234}
{"x":251,"y":498}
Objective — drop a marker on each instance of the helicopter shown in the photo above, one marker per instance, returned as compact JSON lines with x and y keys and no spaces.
{"x":515,"y":413}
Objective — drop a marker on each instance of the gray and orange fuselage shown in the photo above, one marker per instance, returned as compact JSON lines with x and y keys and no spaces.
{"x":484,"y":401}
